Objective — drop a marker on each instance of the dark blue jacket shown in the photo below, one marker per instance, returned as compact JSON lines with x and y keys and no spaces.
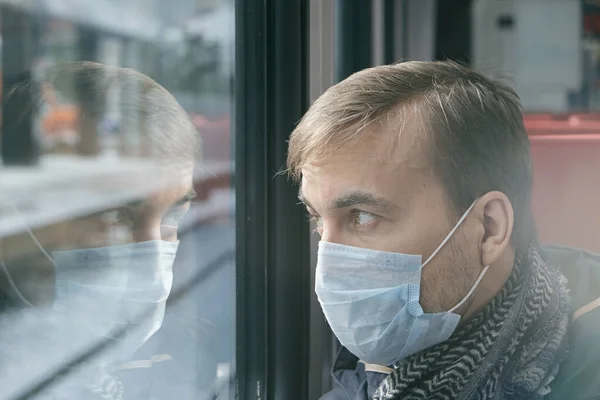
{"x":579,"y":374}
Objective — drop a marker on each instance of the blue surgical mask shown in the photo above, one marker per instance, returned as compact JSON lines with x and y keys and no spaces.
{"x":371,"y":301}
{"x":113,"y":288}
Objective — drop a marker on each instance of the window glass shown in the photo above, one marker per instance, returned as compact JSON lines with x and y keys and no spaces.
{"x":117,"y":245}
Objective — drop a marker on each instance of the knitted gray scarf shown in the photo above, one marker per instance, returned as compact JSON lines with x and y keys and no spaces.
{"x":511,"y":350}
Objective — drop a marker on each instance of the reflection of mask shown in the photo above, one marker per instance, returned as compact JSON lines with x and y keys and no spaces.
{"x":371,"y":301}
{"x":117,"y":292}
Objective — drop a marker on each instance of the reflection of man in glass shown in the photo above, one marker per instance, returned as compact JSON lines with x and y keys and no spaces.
{"x":105,"y":286}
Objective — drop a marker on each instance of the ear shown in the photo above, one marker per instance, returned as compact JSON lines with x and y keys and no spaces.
{"x":498,"y":220}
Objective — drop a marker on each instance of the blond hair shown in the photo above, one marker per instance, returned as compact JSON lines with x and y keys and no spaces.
{"x":476,"y":138}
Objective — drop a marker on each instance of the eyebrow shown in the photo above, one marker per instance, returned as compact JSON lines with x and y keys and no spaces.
{"x":360,"y":197}
{"x":351,"y":199}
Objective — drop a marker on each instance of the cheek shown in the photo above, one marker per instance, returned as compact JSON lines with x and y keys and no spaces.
{"x":448,"y":277}
{"x":431,"y":281}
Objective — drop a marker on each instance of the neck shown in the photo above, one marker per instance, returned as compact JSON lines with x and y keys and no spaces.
{"x":492,"y":283}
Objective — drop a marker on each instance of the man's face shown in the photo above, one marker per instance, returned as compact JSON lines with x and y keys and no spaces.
{"x":155,"y":218}
{"x":378,"y":192}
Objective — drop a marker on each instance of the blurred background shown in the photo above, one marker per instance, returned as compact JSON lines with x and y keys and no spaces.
{"x":241,"y":320}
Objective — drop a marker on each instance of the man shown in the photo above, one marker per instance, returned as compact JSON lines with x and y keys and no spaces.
{"x":75,"y":314}
{"x":418,"y":177}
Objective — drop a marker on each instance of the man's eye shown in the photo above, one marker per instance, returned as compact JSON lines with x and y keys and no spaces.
{"x":124,"y":216}
{"x":362,"y":218}
{"x":121,"y":216}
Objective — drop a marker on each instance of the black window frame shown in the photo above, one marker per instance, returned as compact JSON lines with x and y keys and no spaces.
{"x":272,"y":232}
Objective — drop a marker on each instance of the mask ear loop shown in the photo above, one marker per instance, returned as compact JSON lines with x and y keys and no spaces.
{"x":449,"y":236}
{"x":470,"y":292}
{"x":446,"y":239}
{"x":41,"y":248}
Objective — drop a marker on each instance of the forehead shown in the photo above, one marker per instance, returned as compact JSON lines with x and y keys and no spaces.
{"x":382,"y":160}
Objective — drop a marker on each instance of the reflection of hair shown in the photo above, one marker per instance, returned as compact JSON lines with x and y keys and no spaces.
{"x":477,"y":140}
{"x":142,"y":105}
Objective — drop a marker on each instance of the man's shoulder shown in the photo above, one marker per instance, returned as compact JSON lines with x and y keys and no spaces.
{"x":353,"y":379}
{"x":579,"y":374}
{"x":582,"y":270}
